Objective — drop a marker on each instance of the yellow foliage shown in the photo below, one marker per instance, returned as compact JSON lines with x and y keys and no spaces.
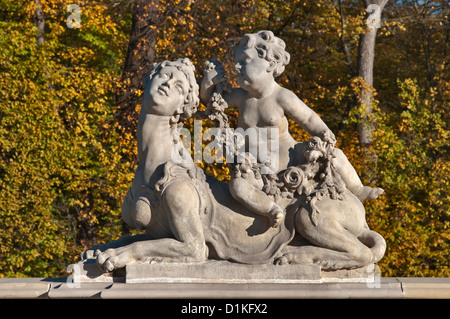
{"x":65,"y":169}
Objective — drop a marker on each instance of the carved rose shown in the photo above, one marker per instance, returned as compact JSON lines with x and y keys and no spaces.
{"x":293,"y":178}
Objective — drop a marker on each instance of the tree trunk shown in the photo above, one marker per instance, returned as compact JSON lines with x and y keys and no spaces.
{"x":139,"y":60}
{"x":39,"y":21}
{"x":366,"y":57}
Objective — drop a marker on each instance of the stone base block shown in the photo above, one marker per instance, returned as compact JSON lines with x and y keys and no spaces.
{"x":89,"y":271}
{"x":227,"y":272}
{"x":218,"y":272}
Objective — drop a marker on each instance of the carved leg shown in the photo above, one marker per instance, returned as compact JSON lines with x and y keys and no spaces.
{"x":335,"y":247}
{"x":352,"y":180}
{"x":375,"y":242}
{"x":160,"y":249}
{"x":181,"y":204}
{"x":256,"y":200}
{"x":328,"y":259}
{"x":121,"y":242}
{"x":136,"y":212}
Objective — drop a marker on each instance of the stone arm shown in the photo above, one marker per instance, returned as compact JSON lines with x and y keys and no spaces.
{"x":213,"y":75}
{"x":305,"y":116}
{"x":214,"y":80}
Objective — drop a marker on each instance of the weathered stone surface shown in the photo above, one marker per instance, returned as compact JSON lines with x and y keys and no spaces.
{"x":227,"y":272}
{"x":387,"y":289}
{"x":220,"y":272}
{"x":23,"y":288}
{"x":383,"y":287}
{"x":435,"y":288}
{"x":67,"y":290}
{"x":214,"y":271}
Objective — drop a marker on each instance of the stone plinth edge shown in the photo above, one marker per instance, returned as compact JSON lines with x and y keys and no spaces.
{"x":382,"y":288}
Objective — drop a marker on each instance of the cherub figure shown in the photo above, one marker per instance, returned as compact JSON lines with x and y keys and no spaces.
{"x":171,"y":92}
{"x":263,"y":103}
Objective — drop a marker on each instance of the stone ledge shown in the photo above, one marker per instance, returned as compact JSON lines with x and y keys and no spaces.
{"x":436,"y":288}
{"x":26,"y":288}
{"x":382,"y":288}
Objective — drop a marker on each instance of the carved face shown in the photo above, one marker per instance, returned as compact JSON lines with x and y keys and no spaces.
{"x":252,"y":70}
{"x":166,"y":91}
{"x":315,"y":149}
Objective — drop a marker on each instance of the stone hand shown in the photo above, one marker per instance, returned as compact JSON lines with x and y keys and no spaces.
{"x":214,"y":72}
{"x":328,"y":136}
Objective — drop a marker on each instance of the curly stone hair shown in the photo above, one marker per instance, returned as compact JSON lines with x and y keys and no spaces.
{"x":269,"y":47}
{"x":191,"y":100}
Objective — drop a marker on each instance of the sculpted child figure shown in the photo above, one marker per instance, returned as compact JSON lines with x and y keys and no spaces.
{"x":170,"y":95}
{"x":262,"y":103}
{"x":172,"y":90}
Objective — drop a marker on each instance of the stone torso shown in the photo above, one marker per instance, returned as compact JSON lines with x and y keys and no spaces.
{"x":267,"y":113}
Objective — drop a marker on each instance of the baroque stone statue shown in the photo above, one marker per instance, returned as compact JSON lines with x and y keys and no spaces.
{"x":287,"y":202}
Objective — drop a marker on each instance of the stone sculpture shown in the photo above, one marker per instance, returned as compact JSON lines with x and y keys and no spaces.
{"x":295,"y":203}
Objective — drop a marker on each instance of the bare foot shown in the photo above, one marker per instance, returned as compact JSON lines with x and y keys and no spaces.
{"x":369,"y":193}
{"x":91,"y":252}
{"x":114,"y":258}
{"x":283,"y":260}
{"x":276,"y":216}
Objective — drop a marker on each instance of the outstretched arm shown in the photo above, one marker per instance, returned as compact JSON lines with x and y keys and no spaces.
{"x":213,"y":76}
{"x":214,"y":80}
{"x":305,"y":116}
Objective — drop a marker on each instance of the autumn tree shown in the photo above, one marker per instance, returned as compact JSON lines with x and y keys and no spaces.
{"x":69,"y":105}
{"x":139,"y":59}
{"x":59,"y":166}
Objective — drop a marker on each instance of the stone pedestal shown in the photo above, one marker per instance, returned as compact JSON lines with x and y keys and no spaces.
{"x":218,"y":272}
